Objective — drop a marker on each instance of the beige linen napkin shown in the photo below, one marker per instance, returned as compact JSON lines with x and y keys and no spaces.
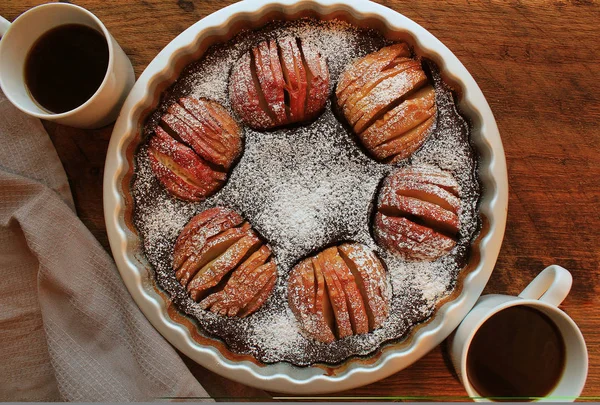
{"x":69,"y":329}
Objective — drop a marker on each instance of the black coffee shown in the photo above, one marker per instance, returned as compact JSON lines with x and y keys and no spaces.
{"x":65,"y":67}
{"x":518,"y":352}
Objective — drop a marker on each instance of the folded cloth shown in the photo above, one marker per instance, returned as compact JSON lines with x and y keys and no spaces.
{"x":69,"y":330}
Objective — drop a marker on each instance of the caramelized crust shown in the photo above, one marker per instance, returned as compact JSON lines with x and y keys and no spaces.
{"x":222,"y":263}
{"x":340,"y":292}
{"x":418,"y":213}
{"x":387,"y":101}
{"x":279,"y":83}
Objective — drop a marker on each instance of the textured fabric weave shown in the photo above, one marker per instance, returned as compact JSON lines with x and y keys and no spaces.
{"x":69,"y":330}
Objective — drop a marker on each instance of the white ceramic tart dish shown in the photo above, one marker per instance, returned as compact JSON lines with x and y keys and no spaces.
{"x":137,"y":273}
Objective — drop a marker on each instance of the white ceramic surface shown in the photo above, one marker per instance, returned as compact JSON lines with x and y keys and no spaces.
{"x":221,"y":26}
{"x":17,"y":38}
{"x":544,"y":293}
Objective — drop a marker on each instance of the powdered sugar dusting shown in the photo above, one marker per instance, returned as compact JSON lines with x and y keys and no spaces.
{"x":302,"y":189}
{"x":336,"y":41}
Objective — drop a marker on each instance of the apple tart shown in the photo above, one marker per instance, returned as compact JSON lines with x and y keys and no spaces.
{"x":386,"y":98}
{"x":271,"y":233}
{"x":341,"y":291}
{"x":223,"y":264}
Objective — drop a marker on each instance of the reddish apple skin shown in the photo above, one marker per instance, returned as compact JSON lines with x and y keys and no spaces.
{"x":279,"y":83}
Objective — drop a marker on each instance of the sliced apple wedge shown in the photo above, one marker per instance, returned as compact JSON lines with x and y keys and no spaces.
{"x":323,"y":302}
{"x":396,"y":122}
{"x":374,"y":86}
{"x":295,"y":77}
{"x":262,"y":285}
{"x":247,"y":289}
{"x":181,"y":130}
{"x":418,"y":213}
{"x":405,"y":145}
{"x":193,"y":132}
{"x":190,"y":153}
{"x":214,"y":247}
{"x":317,"y":79}
{"x":210,"y":275}
{"x":221,"y":261}
{"x":342,"y":291}
{"x":196,"y":223}
{"x":202,"y":128}
{"x":270,"y":77}
{"x":255,"y":260}
{"x":179,"y":187}
{"x":202,"y":227}
{"x":239,"y":290}
{"x":337,"y":295}
{"x":429,"y":213}
{"x":279,"y":83}
{"x":244,"y":93}
{"x":225,"y":122}
{"x":218,"y":128}
{"x":372,"y":78}
{"x":180,"y":170}
{"x":412,"y":241}
{"x":356,"y":75}
{"x":429,"y":175}
{"x":308,"y":301}
{"x":354,"y":299}
{"x":430,"y":193}
{"x":385,"y":98}
{"x":387,"y":92}
{"x":206,"y":127}
{"x":371,"y":281}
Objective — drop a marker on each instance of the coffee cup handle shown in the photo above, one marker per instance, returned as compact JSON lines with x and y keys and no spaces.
{"x":4,"y":24}
{"x":551,"y":286}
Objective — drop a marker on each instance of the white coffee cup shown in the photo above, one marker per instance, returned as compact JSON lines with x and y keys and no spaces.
{"x":544,"y":293}
{"x":18,"y":38}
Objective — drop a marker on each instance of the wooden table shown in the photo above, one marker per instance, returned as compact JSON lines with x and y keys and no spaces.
{"x":538,"y":65}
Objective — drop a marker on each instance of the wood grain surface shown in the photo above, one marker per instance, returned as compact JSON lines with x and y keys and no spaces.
{"x":537,"y":63}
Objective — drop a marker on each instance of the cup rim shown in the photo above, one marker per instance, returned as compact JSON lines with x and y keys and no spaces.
{"x":517,"y":301}
{"x":109,"y":68}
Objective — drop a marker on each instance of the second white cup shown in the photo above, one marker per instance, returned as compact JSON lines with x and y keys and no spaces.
{"x":544,"y":294}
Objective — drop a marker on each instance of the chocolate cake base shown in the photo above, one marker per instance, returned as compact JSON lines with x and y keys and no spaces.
{"x":304,"y":188}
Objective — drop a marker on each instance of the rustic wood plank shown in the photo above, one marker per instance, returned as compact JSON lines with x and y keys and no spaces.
{"x":536,"y":62}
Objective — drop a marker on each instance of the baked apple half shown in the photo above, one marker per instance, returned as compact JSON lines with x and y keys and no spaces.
{"x":417,"y":213}
{"x":386,"y":98}
{"x":223,"y":264}
{"x":279,"y":82}
{"x":342,"y":291}
{"x":193,"y":148}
